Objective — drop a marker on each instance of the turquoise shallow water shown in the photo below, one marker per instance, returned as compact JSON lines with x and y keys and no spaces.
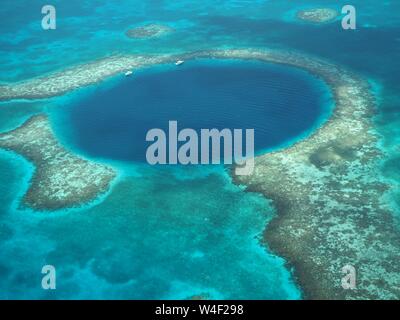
{"x":155,"y":236}
{"x":166,"y":233}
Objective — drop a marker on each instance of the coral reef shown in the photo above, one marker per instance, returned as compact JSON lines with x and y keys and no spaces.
{"x":319,"y":15}
{"x":61,"y":179}
{"x":148,"y":31}
{"x":75,"y":77}
{"x":328,"y":196}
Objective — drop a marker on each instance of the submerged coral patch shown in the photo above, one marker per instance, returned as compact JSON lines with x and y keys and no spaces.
{"x":318,"y":15}
{"x":148,"y":31}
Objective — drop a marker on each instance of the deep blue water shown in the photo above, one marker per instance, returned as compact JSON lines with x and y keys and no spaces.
{"x":279,"y":102}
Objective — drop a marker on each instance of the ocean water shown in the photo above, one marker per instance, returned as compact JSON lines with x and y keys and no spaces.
{"x":172,"y":232}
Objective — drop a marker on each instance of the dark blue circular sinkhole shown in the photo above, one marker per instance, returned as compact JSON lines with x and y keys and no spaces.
{"x":281,"y":103}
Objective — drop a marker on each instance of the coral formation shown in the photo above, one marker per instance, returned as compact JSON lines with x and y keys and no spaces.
{"x":148,"y":31}
{"x":319,"y":15}
{"x":61,"y":179}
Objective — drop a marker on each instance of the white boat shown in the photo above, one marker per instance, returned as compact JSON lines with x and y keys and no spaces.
{"x":179,"y":62}
{"x":128,"y":73}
